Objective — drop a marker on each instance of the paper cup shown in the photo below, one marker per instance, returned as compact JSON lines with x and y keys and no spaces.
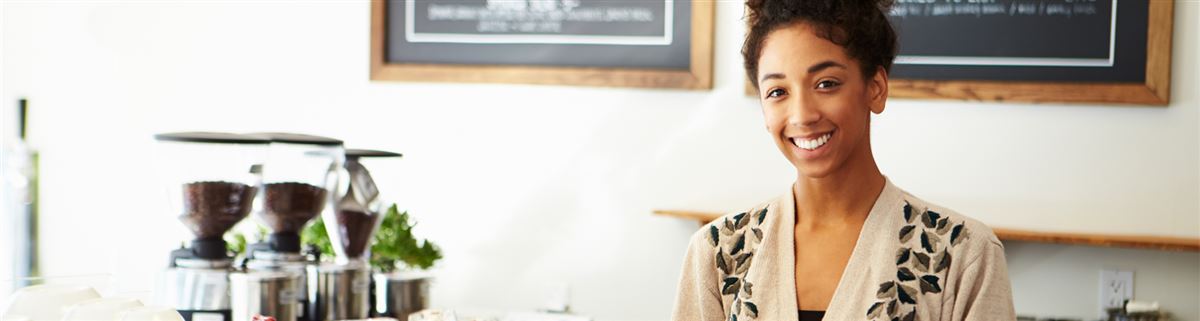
{"x":100,"y":309}
{"x":46,"y":302}
{"x":151,"y":314}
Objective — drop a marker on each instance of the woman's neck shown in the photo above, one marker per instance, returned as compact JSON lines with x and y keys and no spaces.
{"x":845,"y":196}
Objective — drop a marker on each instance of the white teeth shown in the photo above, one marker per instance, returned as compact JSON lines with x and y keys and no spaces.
{"x":811,"y":144}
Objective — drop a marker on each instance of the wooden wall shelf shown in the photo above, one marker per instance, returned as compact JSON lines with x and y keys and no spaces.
{"x":1103,"y":240}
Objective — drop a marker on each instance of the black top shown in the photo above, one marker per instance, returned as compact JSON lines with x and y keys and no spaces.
{"x":811,"y":315}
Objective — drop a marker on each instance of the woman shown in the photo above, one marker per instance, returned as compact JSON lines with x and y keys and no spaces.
{"x":843,"y":243}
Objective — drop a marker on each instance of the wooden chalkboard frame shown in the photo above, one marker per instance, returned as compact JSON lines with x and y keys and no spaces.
{"x":698,"y":77}
{"x":1155,"y":90}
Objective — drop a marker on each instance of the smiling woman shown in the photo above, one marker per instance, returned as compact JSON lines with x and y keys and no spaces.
{"x":844,"y":243}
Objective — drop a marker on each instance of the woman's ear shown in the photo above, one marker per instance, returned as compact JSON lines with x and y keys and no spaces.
{"x":879,"y":90}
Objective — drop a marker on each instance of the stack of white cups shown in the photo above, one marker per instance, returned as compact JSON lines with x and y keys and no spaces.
{"x":57,"y":302}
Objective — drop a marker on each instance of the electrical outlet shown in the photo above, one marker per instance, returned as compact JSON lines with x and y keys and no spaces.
{"x":1116,"y":287}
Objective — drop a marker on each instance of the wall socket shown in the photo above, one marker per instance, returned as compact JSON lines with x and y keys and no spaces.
{"x":1116,"y":287}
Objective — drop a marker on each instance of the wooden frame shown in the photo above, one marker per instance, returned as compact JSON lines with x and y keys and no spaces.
{"x":698,"y":77}
{"x":1102,"y":240}
{"x":1154,"y":91}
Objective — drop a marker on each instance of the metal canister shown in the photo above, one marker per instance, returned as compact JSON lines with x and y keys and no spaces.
{"x":198,"y":289}
{"x":341,"y":292}
{"x":267,"y":261}
{"x":267,"y":293}
{"x":398,"y":295}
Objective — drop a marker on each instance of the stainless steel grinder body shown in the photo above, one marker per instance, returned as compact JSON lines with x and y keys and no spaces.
{"x":198,"y":289}
{"x":267,"y":293}
{"x":398,"y":295}
{"x":265,"y":262}
{"x":340,"y":292}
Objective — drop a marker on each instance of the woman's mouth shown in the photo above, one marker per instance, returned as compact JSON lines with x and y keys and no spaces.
{"x":813,"y":143}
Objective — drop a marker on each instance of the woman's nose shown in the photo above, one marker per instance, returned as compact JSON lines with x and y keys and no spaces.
{"x":803,"y":111}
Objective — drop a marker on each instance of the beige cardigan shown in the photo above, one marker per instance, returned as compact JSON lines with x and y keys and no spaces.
{"x":913,"y":261}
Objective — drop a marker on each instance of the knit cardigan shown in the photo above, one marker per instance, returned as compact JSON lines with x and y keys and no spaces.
{"x":913,"y":261}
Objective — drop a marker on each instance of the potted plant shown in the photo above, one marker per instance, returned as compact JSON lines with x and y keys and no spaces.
{"x":399,"y":260}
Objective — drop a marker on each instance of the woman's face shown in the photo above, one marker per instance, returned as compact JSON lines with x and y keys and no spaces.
{"x":816,"y":102}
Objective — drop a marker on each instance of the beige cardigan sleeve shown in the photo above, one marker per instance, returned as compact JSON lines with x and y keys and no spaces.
{"x":984,"y":292}
{"x":697,"y":298}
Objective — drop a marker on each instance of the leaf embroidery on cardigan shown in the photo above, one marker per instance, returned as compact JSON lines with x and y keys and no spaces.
{"x":874,"y":310}
{"x":892,"y":307}
{"x":905,"y":294}
{"x":930,"y":219}
{"x":903,"y":255}
{"x":714,"y":237}
{"x":929,"y":284}
{"x":904,"y":274}
{"x":919,"y":266}
{"x":741,"y":244}
{"x":943,"y":262}
{"x":906,"y":233}
{"x":922,"y":262}
{"x":734,"y":256}
{"x":886,"y":290}
{"x":752,"y":308}
{"x":732,"y":286}
{"x":723,"y":264}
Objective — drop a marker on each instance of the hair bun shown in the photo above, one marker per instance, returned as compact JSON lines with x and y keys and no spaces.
{"x":861,"y":27}
{"x":769,"y":9}
{"x":885,"y":5}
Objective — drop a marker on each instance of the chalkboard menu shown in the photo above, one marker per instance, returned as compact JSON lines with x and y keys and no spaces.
{"x":644,"y":43}
{"x":1116,"y":51}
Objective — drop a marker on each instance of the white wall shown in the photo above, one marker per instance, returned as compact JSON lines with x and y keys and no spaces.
{"x":1064,"y":281}
{"x":526,"y":187}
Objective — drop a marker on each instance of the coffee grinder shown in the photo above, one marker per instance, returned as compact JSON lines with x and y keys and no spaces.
{"x":343,"y":288}
{"x":211,"y":188}
{"x":300,"y":176}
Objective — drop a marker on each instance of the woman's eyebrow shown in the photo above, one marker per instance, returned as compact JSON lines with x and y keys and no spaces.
{"x":825,"y":65}
{"x":815,"y":68}
{"x":775,"y":75}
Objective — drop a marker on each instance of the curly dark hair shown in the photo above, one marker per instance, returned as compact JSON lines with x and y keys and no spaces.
{"x":861,"y":27}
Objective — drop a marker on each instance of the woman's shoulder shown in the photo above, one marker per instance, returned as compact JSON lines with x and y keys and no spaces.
{"x":935,"y":228}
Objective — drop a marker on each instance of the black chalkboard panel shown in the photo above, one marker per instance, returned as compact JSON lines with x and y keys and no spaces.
{"x":1096,"y":41}
{"x":563,"y":33}
{"x":1074,"y":51}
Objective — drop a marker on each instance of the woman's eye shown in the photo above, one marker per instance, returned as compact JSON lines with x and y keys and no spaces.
{"x":775,"y":93}
{"x":826,"y":84}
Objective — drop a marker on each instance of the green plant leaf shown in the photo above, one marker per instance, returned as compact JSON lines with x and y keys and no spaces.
{"x":235,"y":242}
{"x":396,"y":247}
{"x":315,"y":234}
